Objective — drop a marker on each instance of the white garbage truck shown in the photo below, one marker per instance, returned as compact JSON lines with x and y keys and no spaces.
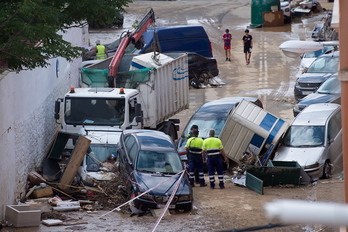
{"x":150,"y":89}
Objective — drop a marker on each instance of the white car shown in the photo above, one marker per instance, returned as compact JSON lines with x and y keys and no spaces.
{"x":98,"y":163}
{"x":314,"y":140}
{"x":308,"y":58}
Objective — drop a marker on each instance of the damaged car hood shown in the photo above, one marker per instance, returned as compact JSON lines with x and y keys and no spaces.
{"x":101,"y":176}
{"x":304,"y":157}
{"x":149,"y":180}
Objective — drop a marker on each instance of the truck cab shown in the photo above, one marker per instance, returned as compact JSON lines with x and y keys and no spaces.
{"x":104,"y":108}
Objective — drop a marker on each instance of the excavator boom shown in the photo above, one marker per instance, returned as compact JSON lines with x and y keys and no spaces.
{"x":129,"y":37}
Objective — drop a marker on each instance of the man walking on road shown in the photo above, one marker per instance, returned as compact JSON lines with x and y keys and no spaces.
{"x":194,"y":150}
{"x":213,"y":153}
{"x":248,"y":45}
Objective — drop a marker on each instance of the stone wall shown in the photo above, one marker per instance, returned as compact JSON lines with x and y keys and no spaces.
{"x":27,"y":124}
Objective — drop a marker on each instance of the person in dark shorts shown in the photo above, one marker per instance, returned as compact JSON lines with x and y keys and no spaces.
{"x":227,"y":38}
{"x":248,"y":45}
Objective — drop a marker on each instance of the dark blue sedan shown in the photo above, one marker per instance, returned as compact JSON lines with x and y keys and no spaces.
{"x":146,"y":159}
{"x":328,"y":92}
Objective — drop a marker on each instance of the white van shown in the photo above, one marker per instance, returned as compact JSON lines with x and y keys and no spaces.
{"x":314,"y":140}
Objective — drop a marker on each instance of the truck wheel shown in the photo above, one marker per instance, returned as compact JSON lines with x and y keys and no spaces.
{"x":169,"y":129}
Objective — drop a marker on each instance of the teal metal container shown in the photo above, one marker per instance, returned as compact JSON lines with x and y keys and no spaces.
{"x":260,"y":6}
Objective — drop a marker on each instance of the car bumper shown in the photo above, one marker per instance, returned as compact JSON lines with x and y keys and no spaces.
{"x":300,"y":92}
{"x":144,"y":205}
{"x":315,"y":173}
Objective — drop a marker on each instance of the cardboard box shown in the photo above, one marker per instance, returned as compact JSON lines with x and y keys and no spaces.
{"x":22,"y":216}
{"x":42,"y":192}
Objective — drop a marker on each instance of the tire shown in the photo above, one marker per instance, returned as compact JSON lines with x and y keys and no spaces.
{"x":204,"y":77}
{"x":327,"y":170}
{"x":169,"y":129}
{"x":188,"y":208}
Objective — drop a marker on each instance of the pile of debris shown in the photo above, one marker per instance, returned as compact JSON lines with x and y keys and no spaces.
{"x":105,"y":195}
{"x":46,"y":203}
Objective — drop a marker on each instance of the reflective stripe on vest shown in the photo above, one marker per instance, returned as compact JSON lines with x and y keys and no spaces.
{"x":100,"y":52}
{"x":195,"y":150}
{"x":213,"y":151}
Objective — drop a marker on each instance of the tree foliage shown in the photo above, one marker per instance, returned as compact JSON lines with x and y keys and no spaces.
{"x":28,"y":28}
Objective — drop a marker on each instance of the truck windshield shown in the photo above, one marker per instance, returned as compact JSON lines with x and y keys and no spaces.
{"x":95,"y":111}
{"x":304,"y":136}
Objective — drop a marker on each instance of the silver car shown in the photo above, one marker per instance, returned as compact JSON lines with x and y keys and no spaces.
{"x":314,"y":140}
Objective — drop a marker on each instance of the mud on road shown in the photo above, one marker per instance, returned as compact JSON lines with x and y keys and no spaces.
{"x":270,"y":77}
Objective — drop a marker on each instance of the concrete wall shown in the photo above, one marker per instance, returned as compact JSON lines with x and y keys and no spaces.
{"x":27,"y":124}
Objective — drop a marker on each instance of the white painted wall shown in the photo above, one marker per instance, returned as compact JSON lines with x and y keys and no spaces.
{"x":27,"y":124}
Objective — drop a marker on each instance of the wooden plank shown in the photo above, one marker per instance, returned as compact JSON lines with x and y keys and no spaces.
{"x":74,"y":163}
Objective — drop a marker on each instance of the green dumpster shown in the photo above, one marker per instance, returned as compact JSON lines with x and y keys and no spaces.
{"x":260,"y":6}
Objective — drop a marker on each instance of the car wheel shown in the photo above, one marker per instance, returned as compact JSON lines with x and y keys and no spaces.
{"x":188,"y":208}
{"x":169,"y":129}
{"x":204,"y":77}
{"x":327,"y":171}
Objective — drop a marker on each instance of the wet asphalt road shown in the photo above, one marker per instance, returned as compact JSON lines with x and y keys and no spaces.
{"x":270,"y":76}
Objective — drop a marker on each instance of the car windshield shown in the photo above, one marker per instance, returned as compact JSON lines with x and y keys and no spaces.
{"x":330,"y":86}
{"x":206,"y":125}
{"x":304,"y":136}
{"x":98,"y":153}
{"x":316,"y":54}
{"x":325,"y":64}
{"x":162,"y":162}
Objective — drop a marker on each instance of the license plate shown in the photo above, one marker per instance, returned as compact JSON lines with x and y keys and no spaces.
{"x":306,"y":92}
{"x":170,"y":206}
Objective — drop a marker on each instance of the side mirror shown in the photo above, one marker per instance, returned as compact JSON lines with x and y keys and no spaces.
{"x":138,"y":119}
{"x":138,"y":109}
{"x":138,"y":113}
{"x":56,"y":109}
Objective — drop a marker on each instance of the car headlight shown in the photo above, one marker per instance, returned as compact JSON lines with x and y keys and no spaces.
{"x":185,"y":198}
{"x":316,"y":165}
